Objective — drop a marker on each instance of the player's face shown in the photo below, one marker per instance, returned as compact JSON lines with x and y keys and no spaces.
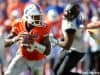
{"x":37,"y":19}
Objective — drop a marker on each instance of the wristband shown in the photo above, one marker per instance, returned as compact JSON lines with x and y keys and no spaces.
{"x":39,"y":47}
{"x":14,"y":39}
{"x":30,"y":49}
{"x":53,"y":40}
{"x":26,"y":45}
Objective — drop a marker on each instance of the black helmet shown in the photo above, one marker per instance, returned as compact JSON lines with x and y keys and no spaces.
{"x":72,"y":10}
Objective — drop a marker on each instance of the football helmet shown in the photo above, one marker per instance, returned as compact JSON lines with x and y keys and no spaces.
{"x":33,"y":15}
{"x":72,"y":10}
{"x":53,"y":15}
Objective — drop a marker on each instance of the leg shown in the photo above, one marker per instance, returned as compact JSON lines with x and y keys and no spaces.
{"x":1,"y":70}
{"x":97,"y":61}
{"x":36,"y":67}
{"x":38,"y":71}
{"x":59,"y":61}
{"x":1,"y":67}
{"x":39,"y":67}
{"x":92,"y":61}
{"x":16,"y":66}
{"x":69,"y":62}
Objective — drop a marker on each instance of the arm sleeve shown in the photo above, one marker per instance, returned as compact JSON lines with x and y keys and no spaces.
{"x":68,"y":26}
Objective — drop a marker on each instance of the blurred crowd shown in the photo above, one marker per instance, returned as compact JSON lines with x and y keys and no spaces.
{"x":13,"y":9}
{"x":9,"y":8}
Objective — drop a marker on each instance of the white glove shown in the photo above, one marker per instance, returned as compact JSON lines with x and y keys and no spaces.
{"x":39,"y":47}
{"x":53,"y":40}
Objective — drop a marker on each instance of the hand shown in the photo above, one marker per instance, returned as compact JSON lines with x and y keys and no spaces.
{"x":53,"y":40}
{"x":26,"y":40}
{"x":20,"y":36}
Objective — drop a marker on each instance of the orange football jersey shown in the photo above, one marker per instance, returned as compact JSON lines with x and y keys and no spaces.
{"x":39,"y":32}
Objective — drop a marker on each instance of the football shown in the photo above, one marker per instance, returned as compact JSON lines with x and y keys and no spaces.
{"x":27,"y":39}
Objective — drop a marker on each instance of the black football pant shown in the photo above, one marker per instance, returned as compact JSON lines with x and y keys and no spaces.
{"x":95,"y":61}
{"x":66,"y":62}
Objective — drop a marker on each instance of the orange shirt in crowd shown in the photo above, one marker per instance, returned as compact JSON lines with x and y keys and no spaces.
{"x":15,"y":4}
{"x":55,"y":28}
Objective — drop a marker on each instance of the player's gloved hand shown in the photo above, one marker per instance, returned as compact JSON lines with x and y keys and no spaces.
{"x":52,"y":39}
{"x":19,"y":36}
{"x":26,"y":40}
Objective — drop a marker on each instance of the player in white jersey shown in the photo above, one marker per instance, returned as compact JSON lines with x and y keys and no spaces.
{"x":71,"y":41}
{"x":94,"y":41}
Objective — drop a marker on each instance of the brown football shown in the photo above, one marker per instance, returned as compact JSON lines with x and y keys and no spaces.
{"x":27,"y":39}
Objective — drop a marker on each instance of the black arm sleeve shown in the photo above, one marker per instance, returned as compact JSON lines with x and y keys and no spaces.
{"x":72,"y":31}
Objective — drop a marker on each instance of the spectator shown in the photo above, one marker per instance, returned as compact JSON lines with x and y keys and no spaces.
{"x":16,"y":4}
{"x":53,"y":4}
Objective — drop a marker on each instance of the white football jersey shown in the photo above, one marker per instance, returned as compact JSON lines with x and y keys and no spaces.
{"x":96,"y":37}
{"x":78,"y":42}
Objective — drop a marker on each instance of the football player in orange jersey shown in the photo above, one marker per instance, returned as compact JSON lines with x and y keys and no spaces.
{"x":33,"y":39}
